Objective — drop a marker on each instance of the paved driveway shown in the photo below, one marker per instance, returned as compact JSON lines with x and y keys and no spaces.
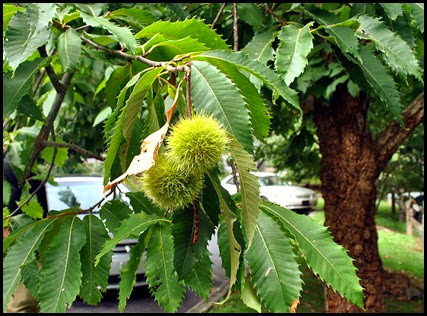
{"x":141,"y":300}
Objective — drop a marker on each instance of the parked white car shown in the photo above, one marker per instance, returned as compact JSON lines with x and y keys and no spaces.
{"x":87,"y":191}
{"x":273,"y":189}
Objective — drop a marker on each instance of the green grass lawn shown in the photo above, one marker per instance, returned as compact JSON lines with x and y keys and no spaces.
{"x":398,"y":251}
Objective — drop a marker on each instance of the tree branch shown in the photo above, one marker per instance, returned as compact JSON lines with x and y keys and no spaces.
{"x":51,"y":73}
{"x":73,"y":147}
{"x":389,"y":140}
{"x":119,"y":53}
{"x":41,"y":184}
{"x":47,"y":127}
{"x":218,"y":15}
{"x":235,"y":30}
{"x":268,"y":10}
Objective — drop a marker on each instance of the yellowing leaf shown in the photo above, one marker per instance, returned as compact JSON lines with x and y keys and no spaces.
{"x":149,"y":148}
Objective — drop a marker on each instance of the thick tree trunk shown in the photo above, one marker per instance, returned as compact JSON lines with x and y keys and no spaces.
{"x":351,"y":163}
{"x":348,"y":172}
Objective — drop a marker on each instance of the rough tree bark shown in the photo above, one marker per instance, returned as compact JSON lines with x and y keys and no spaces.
{"x":351,"y":163}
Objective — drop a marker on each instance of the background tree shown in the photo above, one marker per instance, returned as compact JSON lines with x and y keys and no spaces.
{"x":352,"y":96}
{"x":131,"y":63}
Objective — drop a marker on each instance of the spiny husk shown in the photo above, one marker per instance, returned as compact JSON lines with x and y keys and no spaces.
{"x":169,"y":187}
{"x":196,"y":144}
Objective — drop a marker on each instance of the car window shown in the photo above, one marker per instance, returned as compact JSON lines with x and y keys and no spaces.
{"x":270,"y":180}
{"x":69,"y":194}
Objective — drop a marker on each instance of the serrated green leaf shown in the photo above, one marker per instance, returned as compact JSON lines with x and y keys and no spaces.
{"x":200,"y":277}
{"x":129,"y":270}
{"x":249,"y":187}
{"x":182,"y":233}
{"x":69,"y":50}
{"x":251,"y":14}
{"x":60,"y":158}
{"x":40,"y":15}
{"x":133,"y":225}
{"x":381,"y":82}
{"x":259,"y":70}
{"x":15,"y":88}
{"x":93,"y":9}
{"x":273,"y":266}
{"x":9,"y":11}
{"x":104,"y":40}
{"x":362,"y":8}
{"x":333,"y":85}
{"x":194,"y":28}
{"x":248,"y":296}
{"x":417,"y":11}
{"x":114,"y":142}
{"x":28,"y":107}
{"x":156,"y":112}
{"x":344,"y":36}
{"x":6,"y":192}
{"x":94,"y":279}
{"x":260,"y":117}
{"x":398,"y":55}
{"x":188,"y":253}
{"x":214,"y":94}
{"x":20,"y":254}
{"x":326,"y":258}
{"x":113,"y":213}
{"x":180,"y":46}
{"x":260,"y":48}
{"x":30,"y":274}
{"x":134,"y":16}
{"x":141,"y":203}
{"x":15,"y":234}
{"x":233,"y":246}
{"x":116,"y":138}
{"x":102,"y":116}
{"x":393,"y":10}
{"x":114,"y":83}
{"x":60,"y":276}
{"x":20,"y":42}
{"x":33,"y":209}
{"x":122,"y":34}
{"x":210,"y":202}
{"x":291,"y":56}
{"x":136,"y":98}
{"x":161,"y":277}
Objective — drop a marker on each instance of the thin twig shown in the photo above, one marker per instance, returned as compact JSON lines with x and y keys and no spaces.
{"x":119,"y":53}
{"x":188,"y":89}
{"x":41,"y":184}
{"x":268,"y":9}
{"x":39,"y":80}
{"x":51,"y":73}
{"x":47,"y":127}
{"x":73,"y":147}
{"x":218,"y":15}
{"x":235,"y":30}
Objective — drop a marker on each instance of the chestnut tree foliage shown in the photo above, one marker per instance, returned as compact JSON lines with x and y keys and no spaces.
{"x":140,"y":68}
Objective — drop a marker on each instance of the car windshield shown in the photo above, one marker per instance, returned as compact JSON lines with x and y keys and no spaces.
{"x":69,"y":194}
{"x":270,"y":180}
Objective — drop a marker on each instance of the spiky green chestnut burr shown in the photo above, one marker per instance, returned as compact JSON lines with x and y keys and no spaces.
{"x":169,"y":187}
{"x":196,"y":144}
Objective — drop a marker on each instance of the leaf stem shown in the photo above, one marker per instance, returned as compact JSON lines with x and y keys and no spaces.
{"x":188,"y":89}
